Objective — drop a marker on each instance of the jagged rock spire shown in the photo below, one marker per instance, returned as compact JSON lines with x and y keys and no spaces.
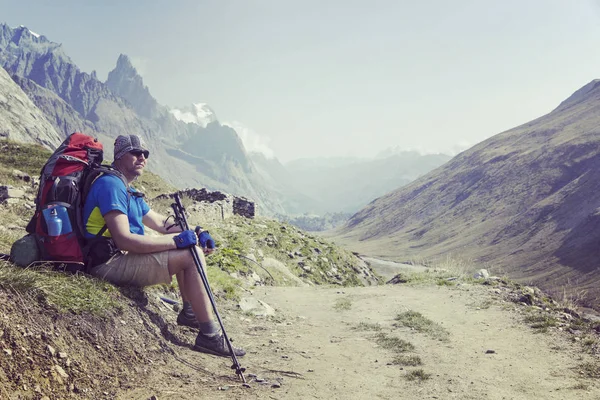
{"x":126,"y":82}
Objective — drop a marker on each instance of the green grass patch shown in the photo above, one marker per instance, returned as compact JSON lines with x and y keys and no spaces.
{"x":407,"y":360}
{"x":418,"y":375}
{"x":540,"y":322}
{"x":589,"y":369}
{"x":589,"y":341}
{"x":439,"y":277}
{"x":7,"y":238}
{"x":227,"y":259}
{"x":343,"y":304}
{"x":580,"y":386}
{"x":221,"y":282}
{"x":392,"y":343}
{"x":367,"y":326}
{"x":415,"y":320}
{"x":26,"y":157}
{"x":582,"y":324}
{"x":445,"y":282}
{"x":14,"y":214}
{"x":482,"y":305}
{"x":75,"y":293}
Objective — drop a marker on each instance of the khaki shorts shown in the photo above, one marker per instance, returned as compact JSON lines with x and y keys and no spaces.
{"x":132,"y":269}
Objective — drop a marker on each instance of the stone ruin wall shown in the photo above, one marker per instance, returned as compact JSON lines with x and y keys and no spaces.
{"x":216,"y":205}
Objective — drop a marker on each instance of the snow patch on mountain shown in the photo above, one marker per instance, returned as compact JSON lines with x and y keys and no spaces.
{"x":198,"y":113}
{"x":37,"y":35}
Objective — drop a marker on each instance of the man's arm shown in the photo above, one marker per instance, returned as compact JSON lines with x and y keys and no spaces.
{"x":118,"y":226}
{"x":156,"y":222}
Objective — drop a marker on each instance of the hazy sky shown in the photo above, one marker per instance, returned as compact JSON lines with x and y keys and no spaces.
{"x":339,"y":77}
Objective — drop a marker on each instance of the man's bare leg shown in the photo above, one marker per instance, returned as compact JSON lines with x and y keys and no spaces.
{"x":209,"y":340}
{"x":190,"y":283}
{"x":181,"y":284}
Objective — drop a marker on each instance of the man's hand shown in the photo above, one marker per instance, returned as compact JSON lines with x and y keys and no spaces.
{"x":185,"y":239}
{"x":205,"y":241}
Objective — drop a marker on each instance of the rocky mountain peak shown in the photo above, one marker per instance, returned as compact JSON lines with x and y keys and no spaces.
{"x":28,"y":54}
{"x":126,"y":82}
{"x":125,"y":67}
{"x":16,"y":41}
{"x":23,"y":33}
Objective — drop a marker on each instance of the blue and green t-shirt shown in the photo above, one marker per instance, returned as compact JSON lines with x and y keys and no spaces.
{"x":109,"y":193}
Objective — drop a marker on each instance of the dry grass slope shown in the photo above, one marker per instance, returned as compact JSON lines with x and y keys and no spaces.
{"x":525,"y":200}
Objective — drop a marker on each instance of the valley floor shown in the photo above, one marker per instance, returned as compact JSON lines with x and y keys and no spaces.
{"x":312,"y":349}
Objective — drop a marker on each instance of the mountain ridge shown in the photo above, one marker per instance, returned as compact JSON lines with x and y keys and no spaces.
{"x":525,"y":200}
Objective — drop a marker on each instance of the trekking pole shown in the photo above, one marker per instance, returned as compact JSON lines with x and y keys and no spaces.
{"x":181,"y":219}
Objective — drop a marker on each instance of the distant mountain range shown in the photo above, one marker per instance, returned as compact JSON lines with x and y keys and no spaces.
{"x":189,"y":146}
{"x":348,"y":184}
{"x":526,"y":202}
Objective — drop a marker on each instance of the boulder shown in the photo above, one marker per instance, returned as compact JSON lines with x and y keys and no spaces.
{"x":482,"y":274}
{"x":8,"y":192}
{"x":24,"y":251}
{"x":21,"y":175}
{"x":256,"y":307}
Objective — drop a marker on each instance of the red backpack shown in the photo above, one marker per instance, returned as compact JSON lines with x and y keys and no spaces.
{"x":65,"y":180}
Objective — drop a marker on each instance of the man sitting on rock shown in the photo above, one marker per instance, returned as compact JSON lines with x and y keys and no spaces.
{"x":115,"y":215}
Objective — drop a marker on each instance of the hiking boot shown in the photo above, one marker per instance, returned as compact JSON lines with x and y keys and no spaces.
{"x":215,"y":345}
{"x":183,"y":319}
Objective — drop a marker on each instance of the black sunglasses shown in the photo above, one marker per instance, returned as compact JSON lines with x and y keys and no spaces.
{"x":138,"y":153}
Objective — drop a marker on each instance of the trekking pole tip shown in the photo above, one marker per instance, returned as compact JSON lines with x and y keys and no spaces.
{"x":239,"y":370}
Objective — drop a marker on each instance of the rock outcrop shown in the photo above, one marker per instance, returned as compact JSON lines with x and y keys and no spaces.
{"x":127,"y":83}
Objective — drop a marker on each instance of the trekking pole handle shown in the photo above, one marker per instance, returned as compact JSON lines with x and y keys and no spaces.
{"x":179,"y":209}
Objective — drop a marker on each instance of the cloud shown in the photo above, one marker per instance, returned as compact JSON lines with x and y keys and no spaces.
{"x":252,"y":140}
{"x":198,"y":113}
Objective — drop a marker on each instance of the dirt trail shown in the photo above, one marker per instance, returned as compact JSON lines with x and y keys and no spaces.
{"x":312,"y":349}
{"x":389,"y":269}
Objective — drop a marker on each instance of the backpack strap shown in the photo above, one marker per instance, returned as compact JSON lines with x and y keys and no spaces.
{"x":96,"y":172}
{"x":101,"y":231}
{"x":107,"y":245}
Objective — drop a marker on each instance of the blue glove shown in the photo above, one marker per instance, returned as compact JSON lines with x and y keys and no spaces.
{"x":206,"y":241}
{"x":185,"y":239}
